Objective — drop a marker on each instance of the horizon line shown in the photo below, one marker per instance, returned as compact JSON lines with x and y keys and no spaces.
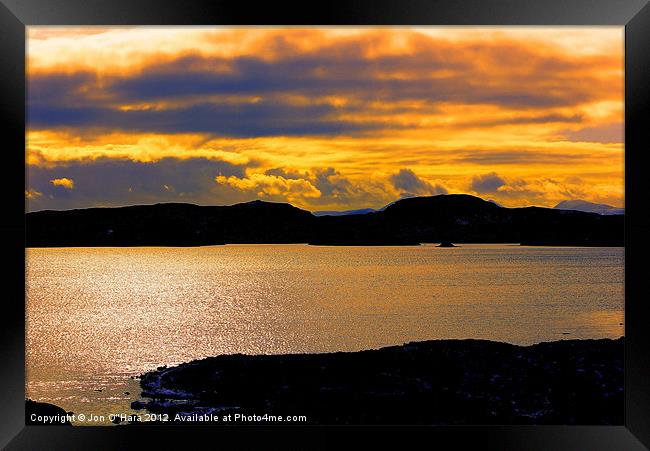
{"x":27,"y":211}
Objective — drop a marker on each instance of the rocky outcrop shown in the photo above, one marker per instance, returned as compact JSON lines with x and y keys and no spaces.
{"x":43,"y":413}
{"x":433,"y":382}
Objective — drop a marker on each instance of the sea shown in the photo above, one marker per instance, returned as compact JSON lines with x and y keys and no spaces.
{"x":97,"y":318}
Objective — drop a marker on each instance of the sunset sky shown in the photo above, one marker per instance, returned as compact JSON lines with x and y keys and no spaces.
{"x":323,"y":118}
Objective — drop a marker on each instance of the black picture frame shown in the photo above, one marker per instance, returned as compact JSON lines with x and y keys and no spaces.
{"x":634,"y":15}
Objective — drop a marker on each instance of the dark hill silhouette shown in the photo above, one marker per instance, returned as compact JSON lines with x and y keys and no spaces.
{"x":169,"y":225}
{"x":461,"y":218}
{"x":458,"y":218}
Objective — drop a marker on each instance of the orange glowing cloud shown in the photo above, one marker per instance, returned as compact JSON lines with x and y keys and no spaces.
{"x":331,"y":117}
{"x":64,"y":182}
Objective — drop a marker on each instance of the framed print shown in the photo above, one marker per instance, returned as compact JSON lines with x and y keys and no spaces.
{"x":379,"y":217}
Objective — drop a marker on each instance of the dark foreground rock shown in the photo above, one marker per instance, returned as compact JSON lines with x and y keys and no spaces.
{"x":433,"y":382}
{"x":43,"y":413}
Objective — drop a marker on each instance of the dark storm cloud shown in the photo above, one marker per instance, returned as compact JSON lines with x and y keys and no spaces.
{"x":60,"y":88}
{"x":522,"y":157}
{"x":488,"y":183}
{"x":236,"y":120}
{"x":431,"y":72}
{"x":111,"y":182}
{"x":332,"y":184}
{"x":607,"y":134}
{"x":364,"y":79}
{"x":409,"y":184}
{"x":523,"y":120}
{"x":287,"y":173}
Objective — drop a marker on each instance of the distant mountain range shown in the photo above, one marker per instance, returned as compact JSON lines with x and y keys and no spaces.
{"x":458,"y":218}
{"x":361,"y":211}
{"x":590,"y":207}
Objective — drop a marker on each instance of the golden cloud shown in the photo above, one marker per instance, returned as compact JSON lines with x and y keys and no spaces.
{"x":271,"y":186}
{"x":32,"y":194}
{"x":64,"y":182}
{"x":448,"y":103}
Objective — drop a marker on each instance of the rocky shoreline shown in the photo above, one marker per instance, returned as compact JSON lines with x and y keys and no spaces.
{"x":431,"y":382}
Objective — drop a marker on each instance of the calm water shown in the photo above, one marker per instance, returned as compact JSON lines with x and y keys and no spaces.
{"x":96,"y":316}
